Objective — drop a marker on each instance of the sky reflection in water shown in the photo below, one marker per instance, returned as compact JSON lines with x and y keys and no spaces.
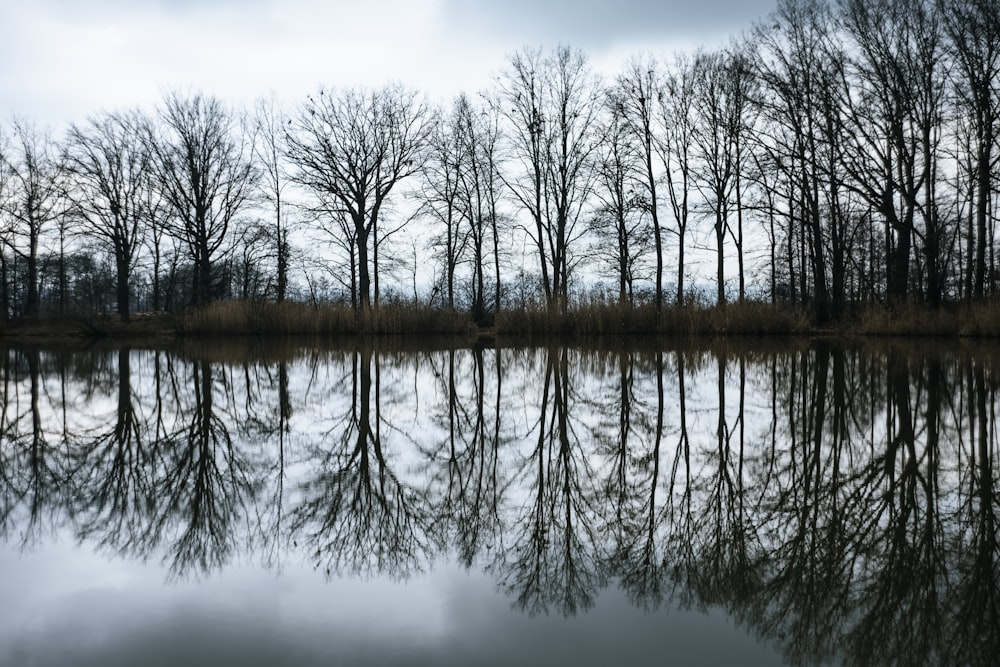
{"x":207,"y":506}
{"x":249,"y":616}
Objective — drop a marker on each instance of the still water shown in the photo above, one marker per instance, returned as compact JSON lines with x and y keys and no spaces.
{"x":802,"y":503}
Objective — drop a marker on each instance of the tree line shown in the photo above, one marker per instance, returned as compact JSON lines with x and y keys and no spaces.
{"x":836,"y":154}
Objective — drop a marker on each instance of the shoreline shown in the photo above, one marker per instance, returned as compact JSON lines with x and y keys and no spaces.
{"x":239,"y":319}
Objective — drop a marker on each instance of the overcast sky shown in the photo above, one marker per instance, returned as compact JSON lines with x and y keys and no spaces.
{"x":63,"y":59}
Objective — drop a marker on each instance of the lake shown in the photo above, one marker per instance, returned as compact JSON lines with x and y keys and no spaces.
{"x":255,"y":503}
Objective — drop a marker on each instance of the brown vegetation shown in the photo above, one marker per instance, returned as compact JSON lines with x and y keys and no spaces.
{"x":595,"y":318}
{"x":610,"y":319}
{"x":982,"y":320}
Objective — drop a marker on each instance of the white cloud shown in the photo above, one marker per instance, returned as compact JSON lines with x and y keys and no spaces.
{"x":60,"y":60}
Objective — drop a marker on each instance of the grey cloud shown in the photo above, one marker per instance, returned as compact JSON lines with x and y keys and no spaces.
{"x":600,"y":23}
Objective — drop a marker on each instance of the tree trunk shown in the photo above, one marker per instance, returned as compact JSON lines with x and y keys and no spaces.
{"x":720,"y":273}
{"x":4,"y":293}
{"x":680,"y":266}
{"x":282,"y":286}
{"x":364,"y":278}
{"x":31,"y":299}
{"x":121,"y":265}
{"x":982,"y":217}
{"x":204,"y":281}
{"x":653,"y":209}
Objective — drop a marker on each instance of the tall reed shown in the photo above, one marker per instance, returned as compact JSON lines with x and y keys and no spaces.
{"x":599,"y":318}
{"x":288,"y":318}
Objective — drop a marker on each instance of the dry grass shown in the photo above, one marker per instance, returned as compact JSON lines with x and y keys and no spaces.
{"x":735,"y":319}
{"x":974,"y":320}
{"x":591,"y":319}
{"x":612,"y":319}
{"x":906,"y":320}
{"x":286,"y":319}
{"x":259,"y":318}
{"x":980,"y":320}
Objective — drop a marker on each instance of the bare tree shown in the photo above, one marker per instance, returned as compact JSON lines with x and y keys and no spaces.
{"x":973,"y":31}
{"x":154,"y":240}
{"x":35,"y":202}
{"x":716,"y":142}
{"x":5,"y":227}
{"x":618,"y":219}
{"x":440,"y":192}
{"x":638,"y":89}
{"x":269,"y":151}
{"x":520,"y":101}
{"x":551,"y":105}
{"x":741,"y":117}
{"x":109,"y":162}
{"x":895,"y":124}
{"x":799,"y":66}
{"x":677,"y":118}
{"x":204,"y":170}
{"x":480,"y":196}
{"x":351,"y":148}
{"x":340,"y":235}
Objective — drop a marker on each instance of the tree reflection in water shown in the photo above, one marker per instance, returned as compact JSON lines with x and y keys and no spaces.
{"x":461,"y":469}
{"x":115,"y":482}
{"x":356,"y":515}
{"x":551,"y":550}
{"x":838,"y":501}
{"x":34,"y":471}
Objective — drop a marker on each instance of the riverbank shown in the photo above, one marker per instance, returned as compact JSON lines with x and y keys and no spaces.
{"x":239,"y":318}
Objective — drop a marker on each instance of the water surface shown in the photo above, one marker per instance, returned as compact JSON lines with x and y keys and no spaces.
{"x":801,"y":503}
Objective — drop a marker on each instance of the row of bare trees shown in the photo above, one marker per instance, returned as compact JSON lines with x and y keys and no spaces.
{"x":838,"y":153}
{"x":121,"y":184}
{"x":197,"y":188}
